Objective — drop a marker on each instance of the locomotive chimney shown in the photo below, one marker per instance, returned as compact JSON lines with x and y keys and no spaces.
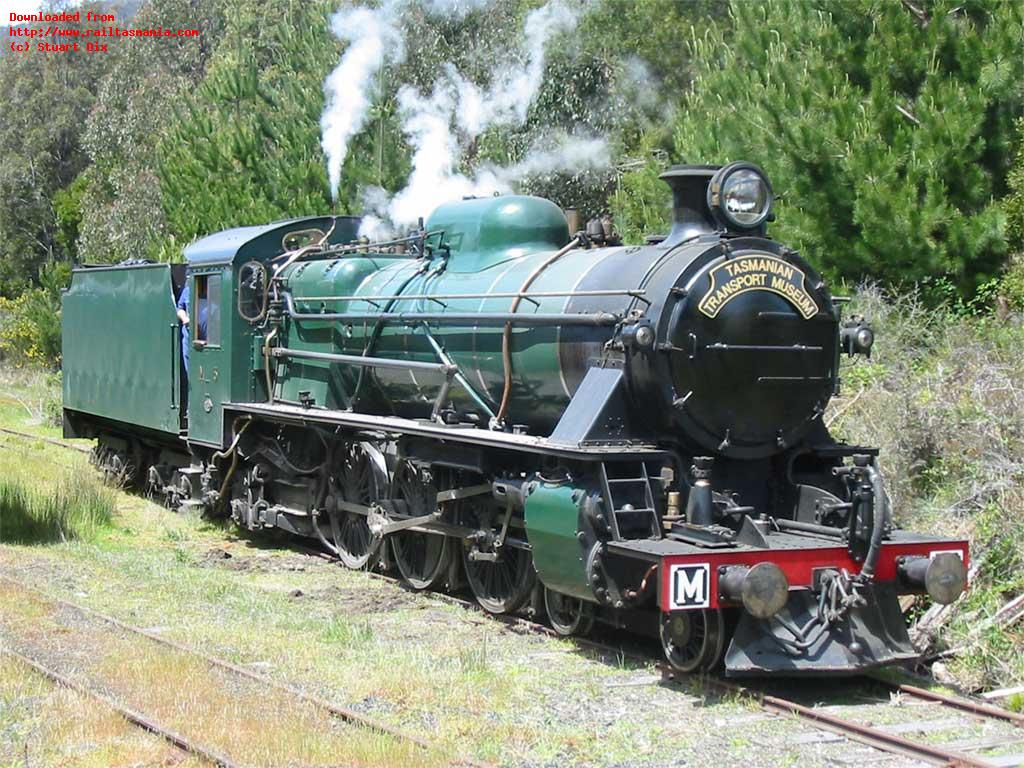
{"x":690,"y":213}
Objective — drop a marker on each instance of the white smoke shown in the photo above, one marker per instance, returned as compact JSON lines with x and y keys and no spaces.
{"x":441,"y":125}
{"x":513,"y":89}
{"x":373,"y":37}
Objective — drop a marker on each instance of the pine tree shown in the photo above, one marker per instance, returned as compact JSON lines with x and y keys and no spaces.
{"x":887,"y":127}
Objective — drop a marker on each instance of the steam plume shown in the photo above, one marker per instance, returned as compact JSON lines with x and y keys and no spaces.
{"x":441,"y":124}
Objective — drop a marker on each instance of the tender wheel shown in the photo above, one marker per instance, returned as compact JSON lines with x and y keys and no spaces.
{"x":422,"y":558}
{"x":361,"y":479}
{"x":693,"y":641}
{"x":501,"y":586}
{"x":568,"y":615}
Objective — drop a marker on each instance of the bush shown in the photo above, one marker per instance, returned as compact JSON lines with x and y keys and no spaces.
{"x":942,"y":396}
{"x":78,"y":508}
{"x":30,"y":330}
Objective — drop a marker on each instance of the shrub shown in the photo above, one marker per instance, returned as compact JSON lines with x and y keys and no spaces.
{"x":77,"y":509}
{"x":30,"y":330}
{"x":942,"y":396}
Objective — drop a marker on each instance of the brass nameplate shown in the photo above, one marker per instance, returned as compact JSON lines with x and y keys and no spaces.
{"x":757,"y":273}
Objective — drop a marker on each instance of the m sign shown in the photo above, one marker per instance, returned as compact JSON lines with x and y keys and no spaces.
{"x":690,"y":586}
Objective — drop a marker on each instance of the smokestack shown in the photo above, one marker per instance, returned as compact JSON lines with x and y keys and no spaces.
{"x":690,"y":213}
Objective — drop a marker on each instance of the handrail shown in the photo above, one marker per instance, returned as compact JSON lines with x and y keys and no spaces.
{"x":367,"y":362}
{"x":468,"y":318}
{"x":496,"y":295}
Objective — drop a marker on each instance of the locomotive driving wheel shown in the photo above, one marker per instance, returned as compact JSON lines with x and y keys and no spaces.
{"x":693,"y":641}
{"x":422,"y":558}
{"x":501,"y":584}
{"x":361,"y":479}
{"x":568,"y":615}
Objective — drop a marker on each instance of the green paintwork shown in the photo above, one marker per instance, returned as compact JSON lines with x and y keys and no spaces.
{"x":486,"y":231}
{"x":217,"y":373}
{"x":226,"y":373}
{"x":496,"y":243}
{"x":552,"y":518}
{"x":109,"y":372}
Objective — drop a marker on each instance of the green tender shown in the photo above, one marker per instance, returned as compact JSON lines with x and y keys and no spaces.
{"x":130,"y":377}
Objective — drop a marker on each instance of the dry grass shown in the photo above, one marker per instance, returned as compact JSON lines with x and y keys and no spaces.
{"x":943,"y":396}
{"x":255,"y":725}
{"x":42,"y":723}
{"x":451,"y":676}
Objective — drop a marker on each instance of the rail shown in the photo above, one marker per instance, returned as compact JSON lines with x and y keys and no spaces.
{"x":135,"y":718}
{"x":342,"y":713}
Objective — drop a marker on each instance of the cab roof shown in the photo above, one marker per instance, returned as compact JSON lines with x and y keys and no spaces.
{"x":265,"y":241}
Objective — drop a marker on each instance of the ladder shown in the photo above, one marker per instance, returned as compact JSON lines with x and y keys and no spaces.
{"x":637,"y":515}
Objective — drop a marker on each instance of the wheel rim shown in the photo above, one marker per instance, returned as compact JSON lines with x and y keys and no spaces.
{"x":422,"y":558}
{"x":359,"y":481}
{"x":501,"y":586}
{"x":693,"y":640}
{"x":568,"y":615}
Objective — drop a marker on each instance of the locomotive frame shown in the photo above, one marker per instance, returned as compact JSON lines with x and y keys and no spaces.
{"x":631,"y":434}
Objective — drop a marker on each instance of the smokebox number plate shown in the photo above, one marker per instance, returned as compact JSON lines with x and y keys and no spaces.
{"x":735,"y":277}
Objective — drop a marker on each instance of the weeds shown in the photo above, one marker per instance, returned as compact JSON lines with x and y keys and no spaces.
{"x":343,"y":631}
{"x":943,"y":397}
{"x":77,"y":509}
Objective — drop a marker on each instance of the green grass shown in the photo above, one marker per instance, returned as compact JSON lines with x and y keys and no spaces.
{"x":78,"y":508}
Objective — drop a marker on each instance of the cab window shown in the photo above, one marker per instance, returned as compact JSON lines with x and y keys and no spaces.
{"x":252,"y":291}
{"x":206,"y":319}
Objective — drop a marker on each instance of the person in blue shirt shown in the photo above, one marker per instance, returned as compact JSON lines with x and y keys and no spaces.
{"x":184,"y":307}
{"x":184,"y":301}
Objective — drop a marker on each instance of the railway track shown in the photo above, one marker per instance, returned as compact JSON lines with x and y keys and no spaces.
{"x":178,"y":740}
{"x":870,"y":735}
{"x":865,"y":733}
{"x":343,"y":713}
{"x":47,"y":440}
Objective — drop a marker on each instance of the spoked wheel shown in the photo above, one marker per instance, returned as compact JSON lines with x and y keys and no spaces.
{"x":502,"y":585}
{"x":568,"y":615}
{"x":361,"y":479}
{"x":422,"y":558}
{"x":693,"y":641}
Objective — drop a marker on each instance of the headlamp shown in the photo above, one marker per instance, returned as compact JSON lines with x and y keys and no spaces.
{"x":740,"y":196}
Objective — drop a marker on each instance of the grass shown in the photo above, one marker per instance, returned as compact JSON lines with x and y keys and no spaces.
{"x":42,"y":723}
{"x":76,"y":509}
{"x":432,"y":668}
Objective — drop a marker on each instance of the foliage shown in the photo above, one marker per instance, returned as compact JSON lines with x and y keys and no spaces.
{"x":1013,"y":203}
{"x":77,"y":509}
{"x":229,"y":157}
{"x":942,"y":398}
{"x":122,"y":213}
{"x":886,"y":126}
{"x":30,"y":324}
{"x":46,"y":101}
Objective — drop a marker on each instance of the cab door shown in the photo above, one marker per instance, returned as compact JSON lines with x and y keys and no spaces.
{"x":209,"y":370}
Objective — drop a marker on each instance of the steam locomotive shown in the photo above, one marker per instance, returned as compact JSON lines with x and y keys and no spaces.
{"x":598,"y":432}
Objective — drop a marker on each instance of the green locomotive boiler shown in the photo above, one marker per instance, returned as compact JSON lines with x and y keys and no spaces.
{"x":630,"y":434}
